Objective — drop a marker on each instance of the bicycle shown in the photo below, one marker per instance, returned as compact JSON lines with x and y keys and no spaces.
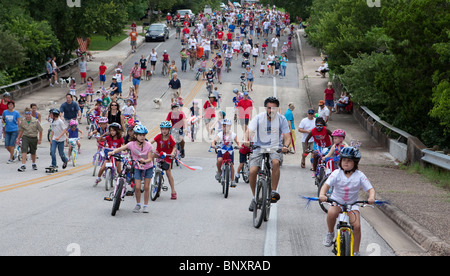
{"x":92,"y":123}
{"x":18,"y":151}
{"x":165,"y":67}
{"x":329,"y":168}
{"x":99,"y":157}
{"x":263,"y":196}
{"x":344,"y":240}
{"x":158,"y":180}
{"x":228,"y":64}
{"x":110,"y":170}
{"x":226,"y":177}
{"x":73,"y":153}
{"x":120,"y":189}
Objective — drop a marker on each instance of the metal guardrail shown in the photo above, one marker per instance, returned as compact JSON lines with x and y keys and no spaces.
{"x":17,"y":85}
{"x":436,"y":158}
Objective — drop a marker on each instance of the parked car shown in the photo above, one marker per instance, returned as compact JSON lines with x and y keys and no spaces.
{"x":157,"y":32}
{"x":191,"y":16}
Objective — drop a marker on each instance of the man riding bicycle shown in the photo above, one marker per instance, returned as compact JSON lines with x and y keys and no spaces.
{"x":267,"y":130}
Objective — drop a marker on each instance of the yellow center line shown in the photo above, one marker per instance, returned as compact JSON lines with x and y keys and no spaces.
{"x":44,"y":178}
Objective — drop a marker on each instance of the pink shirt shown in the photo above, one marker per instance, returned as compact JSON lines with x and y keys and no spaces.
{"x":138,"y":152}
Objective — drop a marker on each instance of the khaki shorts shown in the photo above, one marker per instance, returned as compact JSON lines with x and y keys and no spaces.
{"x":29,"y":144}
{"x":175,"y":93}
{"x":256,"y":158}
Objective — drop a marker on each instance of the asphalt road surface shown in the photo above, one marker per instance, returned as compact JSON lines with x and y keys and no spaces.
{"x":63,"y":214}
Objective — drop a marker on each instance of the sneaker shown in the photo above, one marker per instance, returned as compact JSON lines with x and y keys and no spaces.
{"x":236,"y":179}
{"x":252,"y":205}
{"x":275,"y":197}
{"x":34,"y":166}
{"x":144,"y":209}
{"x":97,"y":181}
{"x":328,"y":240}
{"x":22,"y":168}
{"x":137,"y":209}
{"x":218,"y":176}
{"x":9,"y":161}
{"x":64,"y":165}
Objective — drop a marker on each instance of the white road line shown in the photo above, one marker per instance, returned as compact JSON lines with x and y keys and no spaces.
{"x":270,"y":243}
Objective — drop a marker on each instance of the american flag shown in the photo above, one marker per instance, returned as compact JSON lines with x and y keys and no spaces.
{"x":82,"y":42}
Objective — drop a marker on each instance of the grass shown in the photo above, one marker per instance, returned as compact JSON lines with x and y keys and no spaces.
{"x":440,"y":177}
{"x":100,"y":43}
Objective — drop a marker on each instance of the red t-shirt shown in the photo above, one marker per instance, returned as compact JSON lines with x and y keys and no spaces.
{"x":177,"y":122}
{"x":245,"y":108}
{"x":165,"y":146}
{"x":229,"y":36}
{"x":210,"y":112}
{"x":220,"y":35}
{"x":329,"y":94}
{"x":3,"y":106}
{"x":102,"y":69}
{"x":114,"y":144}
{"x":322,"y":139}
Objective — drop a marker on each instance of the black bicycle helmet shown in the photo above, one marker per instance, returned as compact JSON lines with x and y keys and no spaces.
{"x":55,"y":111}
{"x":351,"y":153}
{"x":271,"y":100}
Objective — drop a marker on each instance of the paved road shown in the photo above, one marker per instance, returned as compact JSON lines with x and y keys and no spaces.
{"x":63,"y":214}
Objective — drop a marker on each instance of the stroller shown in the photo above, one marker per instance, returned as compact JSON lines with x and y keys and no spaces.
{"x":245,"y":62}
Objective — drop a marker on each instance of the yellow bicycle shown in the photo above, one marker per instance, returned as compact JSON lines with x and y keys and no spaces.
{"x":344,"y":240}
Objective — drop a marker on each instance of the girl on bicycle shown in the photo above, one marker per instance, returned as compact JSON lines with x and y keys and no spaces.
{"x":225,"y":138}
{"x":142,"y":154}
{"x":102,"y":129}
{"x":346,"y":181}
{"x":338,"y":144}
{"x":166,"y":143}
{"x":72,"y":133}
{"x":114,"y":140}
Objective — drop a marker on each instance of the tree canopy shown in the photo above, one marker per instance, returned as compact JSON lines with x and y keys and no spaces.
{"x":393,"y":59}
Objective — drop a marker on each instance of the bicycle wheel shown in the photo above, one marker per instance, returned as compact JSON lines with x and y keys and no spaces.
{"x":117,"y":197}
{"x":324,"y":207}
{"x":268,"y":199}
{"x":96,"y":163}
{"x":261,"y":201}
{"x":226,"y":182}
{"x":74,"y":157}
{"x":156,"y":186}
{"x":346,"y":243}
{"x":108,"y":178}
{"x":245,"y":173}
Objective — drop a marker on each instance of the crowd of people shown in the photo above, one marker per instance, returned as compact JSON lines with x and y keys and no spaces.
{"x":231,"y":34}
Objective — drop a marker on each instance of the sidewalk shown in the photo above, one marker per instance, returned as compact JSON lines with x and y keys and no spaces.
{"x":417,"y":206}
{"x":53,"y":97}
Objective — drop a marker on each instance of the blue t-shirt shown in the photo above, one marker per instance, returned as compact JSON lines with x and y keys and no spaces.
{"x":70,"y":110}
{"x":11,"y":120}
{"x":290,"y":117}
{"x":231,"y":27}
{"x":73,"y":133}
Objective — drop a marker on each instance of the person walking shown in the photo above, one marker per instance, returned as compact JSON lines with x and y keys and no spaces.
{"x":58,"y":128}
{"x":29,"y":131}
{"x":11,"y":119}
{"x":175,"y":85}
{"x":135,"y":77}
{"x":290,"y":118}
{"x":306,"y":125}
{"x":82,"y":66}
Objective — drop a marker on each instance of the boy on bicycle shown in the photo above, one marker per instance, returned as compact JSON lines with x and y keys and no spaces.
{"x":225,"y":138}
{"x":346,"y":181}
{"x":166,"y":143}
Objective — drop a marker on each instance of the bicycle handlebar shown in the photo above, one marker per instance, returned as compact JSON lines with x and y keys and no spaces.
{"x":329,"y":200}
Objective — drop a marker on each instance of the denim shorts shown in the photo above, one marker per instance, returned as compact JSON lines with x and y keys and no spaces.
{"x":146,"y":173}
{"x":136,"y":81}
{"x":10,"y":138}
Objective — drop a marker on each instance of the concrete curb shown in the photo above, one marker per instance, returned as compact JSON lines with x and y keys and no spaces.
{"x":420,"y":234}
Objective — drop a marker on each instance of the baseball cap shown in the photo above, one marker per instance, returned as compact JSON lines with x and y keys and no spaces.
{"x":321,"y":102}
{"x":310,"y":111}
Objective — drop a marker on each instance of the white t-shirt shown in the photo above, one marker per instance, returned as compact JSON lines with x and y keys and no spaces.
{"x":346,"y":189}
{"x":228,"y":138}
{"x":58,"y":127}
{"x":128,"y":110}
{"x":236,"y":45}
{"x":154,"y":56}
{"x":324,"y":112}
{"x":269,"y":133}
{"x":274,"y":42}
{"x":255,"y":51}
{"x":307,"y":124}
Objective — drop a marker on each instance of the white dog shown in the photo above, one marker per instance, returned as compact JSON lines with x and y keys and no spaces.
{"x":65,"y":81}
{"x":158,"y":102}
